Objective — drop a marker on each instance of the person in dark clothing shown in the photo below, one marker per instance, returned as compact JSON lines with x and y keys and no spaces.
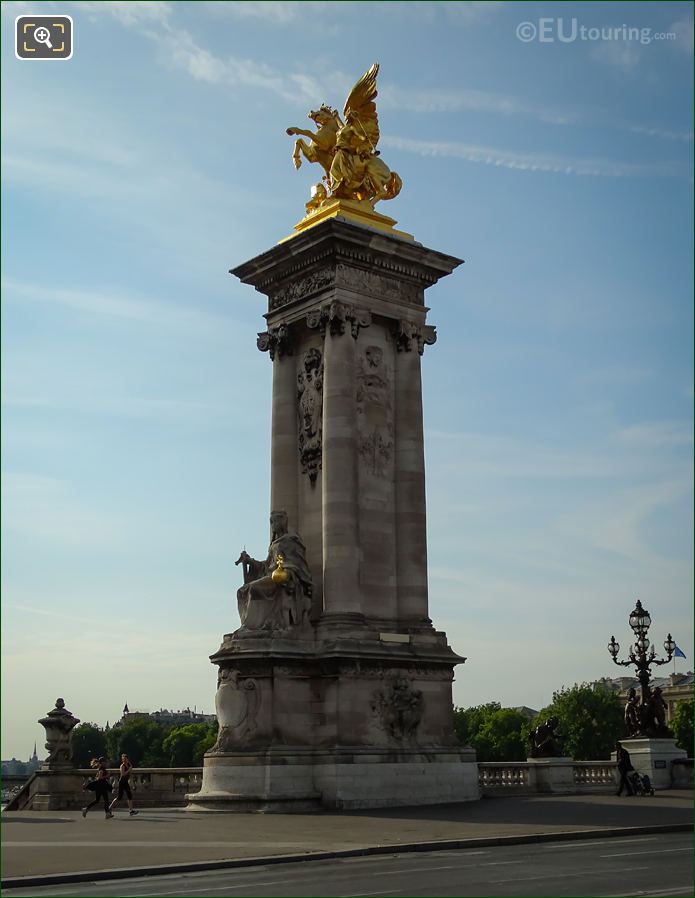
{"x":102,"y":789}
{"x":124,"y":785}
{"x":622,"y":756}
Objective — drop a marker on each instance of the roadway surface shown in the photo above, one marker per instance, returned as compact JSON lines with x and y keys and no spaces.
{"x":647,"y":865}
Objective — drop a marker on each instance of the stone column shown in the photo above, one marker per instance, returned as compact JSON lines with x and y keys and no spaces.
{"x":411,"y":525}
{"x":341,"y":554}
{"x":283,"y":462}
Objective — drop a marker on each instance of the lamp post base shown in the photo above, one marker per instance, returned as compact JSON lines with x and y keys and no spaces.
{"x":653,"y":758}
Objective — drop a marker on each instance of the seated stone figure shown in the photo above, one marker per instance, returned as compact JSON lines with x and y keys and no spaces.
{"x":544,"y":740}
{"x":266,"y":604}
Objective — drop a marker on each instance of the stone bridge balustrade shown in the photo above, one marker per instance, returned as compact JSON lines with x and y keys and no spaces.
{"x":503,"y":777}
{"x":496,"y":778}
{"x":599,"y":776}
{"x":151,"y":786}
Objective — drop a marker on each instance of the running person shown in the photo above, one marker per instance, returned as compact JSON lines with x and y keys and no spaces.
{"x":102,"y":788}
{"x":124,"y":785}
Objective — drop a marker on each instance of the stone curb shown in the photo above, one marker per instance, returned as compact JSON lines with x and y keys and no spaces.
{"x":47,"y":879}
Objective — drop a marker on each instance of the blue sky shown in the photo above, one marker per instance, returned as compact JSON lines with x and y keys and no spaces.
{"x":136,"y":407}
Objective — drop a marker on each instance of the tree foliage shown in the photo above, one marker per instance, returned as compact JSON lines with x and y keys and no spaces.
{"x":141,"y":739}
{"x":496,"y":733}
{"x":590,"y":720}
{"x":146,"y":742}
{"x":682,"y":726}
{"x":186,"y":745}
{"x":88,"y":741}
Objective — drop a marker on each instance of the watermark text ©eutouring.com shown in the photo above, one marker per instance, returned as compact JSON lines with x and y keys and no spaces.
{"x":567,"y":31}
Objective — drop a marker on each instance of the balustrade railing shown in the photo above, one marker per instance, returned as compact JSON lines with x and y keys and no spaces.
{"x":594,"y":773}
{"x":522,"y":777}
{"x":151,"y":782}
{"x":503,"y":776}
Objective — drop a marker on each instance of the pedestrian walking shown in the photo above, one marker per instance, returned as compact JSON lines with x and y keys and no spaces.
{"x":124,"y":785}
{"x":622,"y":756}
{"x":101,"y":787}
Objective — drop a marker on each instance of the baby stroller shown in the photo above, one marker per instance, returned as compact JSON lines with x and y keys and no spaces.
{"x":641,"y":785}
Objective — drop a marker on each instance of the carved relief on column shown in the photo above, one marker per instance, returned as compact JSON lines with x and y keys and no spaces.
{"x":236,"y":706}
{"x":407,"y":333}
{"x":337,"y":316}
{"x":301,"y":288}
{"x":374,"y":283}
{"x":374,"y":412}
{"x":310,"y":411}
{"x":398,"y":709}
{"x":275,"y":340}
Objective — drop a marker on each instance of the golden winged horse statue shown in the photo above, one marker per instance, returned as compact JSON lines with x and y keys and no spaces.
{"x":347,"y":149}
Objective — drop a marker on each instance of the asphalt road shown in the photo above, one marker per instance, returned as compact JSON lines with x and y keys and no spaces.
{"x":631,"y":867}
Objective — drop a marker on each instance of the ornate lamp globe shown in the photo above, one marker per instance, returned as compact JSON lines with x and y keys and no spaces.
{"x":669,"y":645}
{"x":642,"y":644}
{"x":640,"y":620}
{"x":614,"y":647}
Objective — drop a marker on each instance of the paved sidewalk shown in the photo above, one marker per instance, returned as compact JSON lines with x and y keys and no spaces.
{"x":62,"y":842}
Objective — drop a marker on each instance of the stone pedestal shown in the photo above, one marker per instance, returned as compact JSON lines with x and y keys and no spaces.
{"x":653,"y":757}
{"x":353,"y":708}
{"x":554,"y":775}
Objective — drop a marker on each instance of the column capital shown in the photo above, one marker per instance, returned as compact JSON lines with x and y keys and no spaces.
{"x":336,"y":316}
{"x":275,"y":340}
{"x":407,"y":333}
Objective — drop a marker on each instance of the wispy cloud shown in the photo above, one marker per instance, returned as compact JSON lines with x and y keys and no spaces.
{"x":683,"y":29}
{"x":615,"y":524}
{"x":140,"y":309}
{"x":465,"y":12}
{"x":129,"y":12}
{"x":459,"y":98}
{"x":532,"y":162}
{"x":144,"y":408}
{"x":616,"y":375}
{"x":663,"y":133}
{"x":512,"y":457}
{"x":657,"y":434}
{"x":622,"y":55}
{"x":45,"y":508}
{"x":180,"y":49}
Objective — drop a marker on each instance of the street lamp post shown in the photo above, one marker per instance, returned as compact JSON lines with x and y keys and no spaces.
{"x":642,"y":656}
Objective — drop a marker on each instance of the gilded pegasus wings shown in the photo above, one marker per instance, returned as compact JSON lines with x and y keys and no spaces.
{"x":360,"y":108}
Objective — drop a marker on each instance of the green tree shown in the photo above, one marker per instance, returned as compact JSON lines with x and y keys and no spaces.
{"x":88,"y":741}
{"x":204,"y":744}
{"x":184,"y":746}
{"x":682,"y":726}
{"x":502,"y":737}
{"x":496,"y":733}
{"x":468,"y":721}
{"x":590,"y":720}
{"x":141,"y":739}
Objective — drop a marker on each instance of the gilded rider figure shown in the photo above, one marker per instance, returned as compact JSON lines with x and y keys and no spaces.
{"x":347,"y":150}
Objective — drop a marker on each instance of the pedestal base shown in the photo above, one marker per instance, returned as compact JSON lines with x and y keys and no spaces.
{"x":360,"y":778}
{"x":342,"y":722}
{"x":554,"y":775}
{"x":653,"y":757}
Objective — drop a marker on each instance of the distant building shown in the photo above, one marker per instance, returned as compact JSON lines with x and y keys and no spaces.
{"x":166,"y":717}
{"x":675,"y":688}
{"x":13,"y":767}
{"x":528,"y":713}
